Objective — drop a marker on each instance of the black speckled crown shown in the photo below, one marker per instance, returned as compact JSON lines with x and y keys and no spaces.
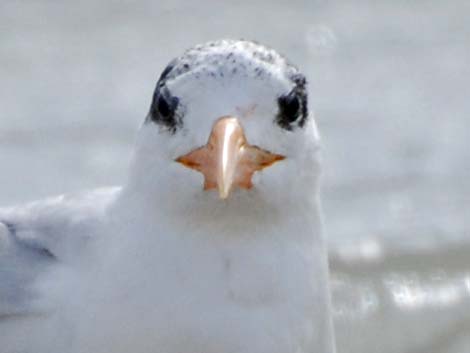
{"x":222,"y":58}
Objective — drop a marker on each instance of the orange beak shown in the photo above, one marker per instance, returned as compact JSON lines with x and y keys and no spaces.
{"x":227,"y":160}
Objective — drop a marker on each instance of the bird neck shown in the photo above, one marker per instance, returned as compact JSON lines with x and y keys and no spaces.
{"x":246,"y":215}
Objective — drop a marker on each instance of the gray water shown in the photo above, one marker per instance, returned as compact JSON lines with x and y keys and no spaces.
{"x":389,"y":81}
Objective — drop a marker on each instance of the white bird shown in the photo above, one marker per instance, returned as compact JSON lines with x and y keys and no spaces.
{"x":214,"y":244}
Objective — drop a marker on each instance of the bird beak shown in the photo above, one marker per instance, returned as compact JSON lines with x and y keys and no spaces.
{"x":227,"y":160}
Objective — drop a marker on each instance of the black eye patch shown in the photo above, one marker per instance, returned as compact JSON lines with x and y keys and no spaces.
{"x":163,"y":110}
{"x":292,"y":110}
{"x":292,"y":106}
{"x":289,"y":109}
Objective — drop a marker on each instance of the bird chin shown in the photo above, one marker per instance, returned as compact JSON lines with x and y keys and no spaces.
{"x":242,"y":206}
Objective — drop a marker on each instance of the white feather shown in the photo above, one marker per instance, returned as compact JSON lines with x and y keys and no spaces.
{"x":163,"y":266}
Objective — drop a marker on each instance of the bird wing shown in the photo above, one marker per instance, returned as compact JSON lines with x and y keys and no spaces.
{"x":42,"y":234}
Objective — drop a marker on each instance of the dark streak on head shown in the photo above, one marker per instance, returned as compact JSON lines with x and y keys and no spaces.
{"x":293,"y":106}
{"x":163,"y":110}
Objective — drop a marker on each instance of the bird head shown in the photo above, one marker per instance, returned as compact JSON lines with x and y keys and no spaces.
{"x":228,"y":124}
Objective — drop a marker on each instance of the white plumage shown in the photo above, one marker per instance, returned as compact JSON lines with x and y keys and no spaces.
{"x":162,"y":265}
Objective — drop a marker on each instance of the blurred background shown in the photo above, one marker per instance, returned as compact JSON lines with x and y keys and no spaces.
{"x":389,"y":83}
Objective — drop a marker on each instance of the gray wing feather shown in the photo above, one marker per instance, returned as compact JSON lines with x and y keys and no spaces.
{"x":20,"y":264}
{"x":41,"y":235}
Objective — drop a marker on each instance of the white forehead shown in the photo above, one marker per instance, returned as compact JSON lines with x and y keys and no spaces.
{"x":228,"y":75}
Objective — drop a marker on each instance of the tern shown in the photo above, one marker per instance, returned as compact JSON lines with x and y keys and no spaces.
{"x":213,"y":244}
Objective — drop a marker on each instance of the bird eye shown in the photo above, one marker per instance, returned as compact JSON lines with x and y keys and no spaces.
{"x":164,"y":109}
{"x":289,"y":110}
